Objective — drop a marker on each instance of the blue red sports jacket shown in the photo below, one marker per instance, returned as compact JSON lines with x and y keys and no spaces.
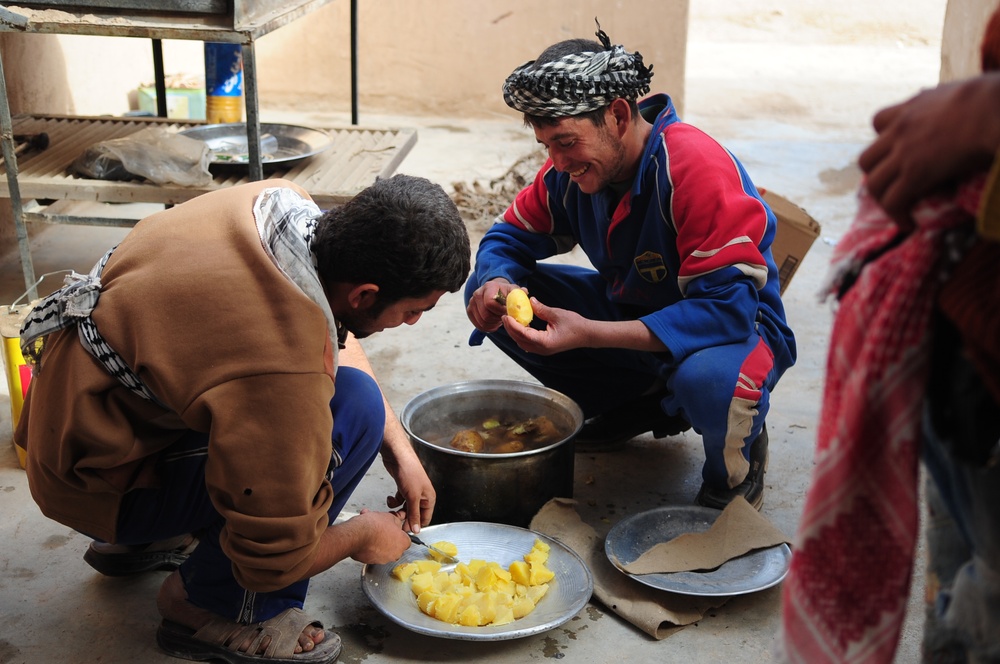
{"x":688,"y":246}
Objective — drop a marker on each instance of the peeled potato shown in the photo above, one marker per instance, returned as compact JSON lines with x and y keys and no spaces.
{"x":444,"y":548}
{"x":519,"y":306}
{"x":479,"y":592}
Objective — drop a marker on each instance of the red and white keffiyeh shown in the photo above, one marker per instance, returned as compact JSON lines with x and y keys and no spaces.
{"x":845,"y":595}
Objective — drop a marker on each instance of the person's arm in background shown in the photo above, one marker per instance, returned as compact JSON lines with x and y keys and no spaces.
{"x":932,"y":140}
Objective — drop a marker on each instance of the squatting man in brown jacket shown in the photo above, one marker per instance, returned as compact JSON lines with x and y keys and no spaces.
{"x":184,"y":397}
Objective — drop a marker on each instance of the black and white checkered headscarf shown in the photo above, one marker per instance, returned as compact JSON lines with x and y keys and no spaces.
{"x":577,"y":83}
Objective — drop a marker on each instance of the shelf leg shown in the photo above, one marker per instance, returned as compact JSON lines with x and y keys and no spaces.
{"x":160,"y":78}
{"x":253,"y":112}
{"x":354,"y":62}
{"x":10,"y":165}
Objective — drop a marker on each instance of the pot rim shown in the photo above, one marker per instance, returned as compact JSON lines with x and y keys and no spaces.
{"x":485,"y":385}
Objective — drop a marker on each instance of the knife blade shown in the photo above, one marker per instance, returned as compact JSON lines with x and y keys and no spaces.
{"x":445,"y":557}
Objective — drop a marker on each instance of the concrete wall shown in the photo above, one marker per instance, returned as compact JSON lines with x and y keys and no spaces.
{"x":427,"y":57}
{"x":422,"y":57}
{"x":440,"y":57}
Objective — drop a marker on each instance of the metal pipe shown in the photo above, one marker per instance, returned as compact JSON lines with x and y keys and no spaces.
{"x":354,"y":62}
{"x":253,"y":112}
{"x":159,"y":78}
{"x":10,"y":164}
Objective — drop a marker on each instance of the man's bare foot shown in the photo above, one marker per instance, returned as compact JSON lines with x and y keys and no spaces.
{"x":173,"y":605}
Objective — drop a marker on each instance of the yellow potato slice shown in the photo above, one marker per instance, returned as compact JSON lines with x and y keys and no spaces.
{"x":425,"y":602}
{"x":479,"y":592}
{"x":535,"y":593}
{"x":522,"y":606}
{"x":541,"y":574}
{"x":519,"y":572}
{"x":444,"y":547}
{"x":446,"y":608}
{"x":432,"y":566}
{"x":470,"y":616}
{"x":505,"y":616}
{"x":422,"y":582}
{"x":404,"y":571}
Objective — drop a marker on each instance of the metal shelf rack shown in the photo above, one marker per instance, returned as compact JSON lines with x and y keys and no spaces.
{"x":334,"y":175}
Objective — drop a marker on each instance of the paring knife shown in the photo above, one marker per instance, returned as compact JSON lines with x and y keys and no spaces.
{"x":444,"y":556}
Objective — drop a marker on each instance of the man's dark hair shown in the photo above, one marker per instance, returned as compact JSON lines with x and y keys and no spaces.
{"x":561,"y":50}
{"x":403,"y":234}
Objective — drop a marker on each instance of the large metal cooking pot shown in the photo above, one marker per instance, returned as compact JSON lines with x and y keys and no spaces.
{"x":499,"y":488}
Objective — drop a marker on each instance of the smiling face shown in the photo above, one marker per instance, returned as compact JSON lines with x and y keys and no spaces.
{"x":593,"y":156}
{"x":364,"y":321}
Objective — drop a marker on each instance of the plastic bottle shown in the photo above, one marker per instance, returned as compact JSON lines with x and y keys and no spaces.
{"x":18,"y":372}
{"x":223,"y":83}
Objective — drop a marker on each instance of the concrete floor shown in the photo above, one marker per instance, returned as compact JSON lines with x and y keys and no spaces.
{"x":797,"y":115}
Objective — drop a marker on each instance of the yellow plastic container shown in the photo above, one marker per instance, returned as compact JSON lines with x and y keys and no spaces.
{"x":17,"y":371}
{"x":223,"y":110}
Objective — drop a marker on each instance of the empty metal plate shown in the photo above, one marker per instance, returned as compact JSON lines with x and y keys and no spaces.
{"x":280,"y":144}
{"x":632,"y":537}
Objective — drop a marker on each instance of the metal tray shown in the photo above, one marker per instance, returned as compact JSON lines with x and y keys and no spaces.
{"x":632,"y":537}
{"x":280,"y":144}
{"x":568,"y":593}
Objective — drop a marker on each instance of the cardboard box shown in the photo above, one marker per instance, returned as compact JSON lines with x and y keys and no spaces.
{"x":796,"y":233}
{"x":182,"y":103}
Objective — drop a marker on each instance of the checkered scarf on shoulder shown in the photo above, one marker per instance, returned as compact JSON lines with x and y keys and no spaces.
{"x":577,"y":83}
{"x":286,"y":224}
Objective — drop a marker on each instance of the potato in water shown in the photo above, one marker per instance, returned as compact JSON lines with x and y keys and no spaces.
{"x":497,"y":435}
{"x":468,"y":441}
{"x":540,"y":429}
{"x":508,"y":447}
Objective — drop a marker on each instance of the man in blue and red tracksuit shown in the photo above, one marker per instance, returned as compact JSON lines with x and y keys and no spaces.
{"x":680,"y":324}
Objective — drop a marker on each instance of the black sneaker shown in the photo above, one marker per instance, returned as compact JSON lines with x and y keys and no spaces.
{"x":121,"y":560}
{"x":609,"y":430}
{"x":752,"y":488}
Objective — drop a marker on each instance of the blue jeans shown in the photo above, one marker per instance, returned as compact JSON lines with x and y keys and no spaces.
{"x":965,"y":553}
{"x":724,"y":392}
{"x":182,"y":505}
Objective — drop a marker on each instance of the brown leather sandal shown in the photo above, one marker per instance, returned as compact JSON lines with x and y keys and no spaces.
{"x":221,"y":638}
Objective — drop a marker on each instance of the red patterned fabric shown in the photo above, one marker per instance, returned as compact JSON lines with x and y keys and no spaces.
{"x":975,"y":282}
{"x":844,"y":598}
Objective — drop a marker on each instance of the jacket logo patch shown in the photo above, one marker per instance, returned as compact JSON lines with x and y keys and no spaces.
{"x":650,"y":266}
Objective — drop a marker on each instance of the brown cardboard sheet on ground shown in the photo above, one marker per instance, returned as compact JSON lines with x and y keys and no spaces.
{"x":656,"y":612}
{"x":795,"y":235}
{"x":738,"y":530}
